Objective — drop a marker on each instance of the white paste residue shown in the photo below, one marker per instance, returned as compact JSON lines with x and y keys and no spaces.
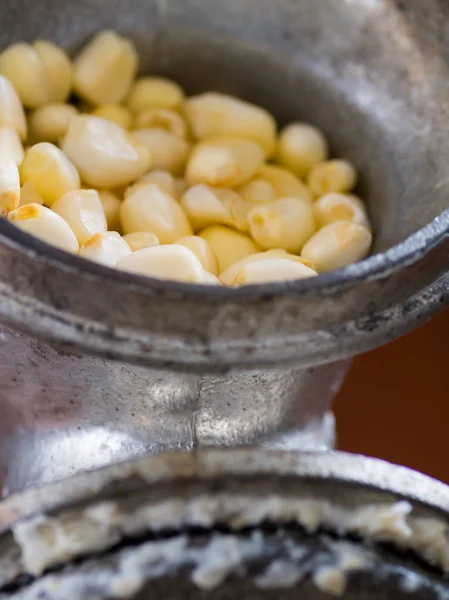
{"x":280,"y":574}
{"x":223,"y":557}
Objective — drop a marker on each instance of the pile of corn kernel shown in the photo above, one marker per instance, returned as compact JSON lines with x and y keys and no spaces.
{"x":135,"y":175}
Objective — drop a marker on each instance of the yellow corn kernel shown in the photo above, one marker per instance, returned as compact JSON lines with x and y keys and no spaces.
{"x":287,"y":223}
{"x":332,"y":176}
{"x":11,"y":109}
{"x":83,"y":211}
{"x":104,"y":70}
{"x":173,"y":262}
{"x":9,"y":186}
{"x":161,"y":118}
{"x":258,"y":190}
{"x":106,"y":248}
{"x":228,"y":276}
{"x":111,"y":206}
{"x":51,"y":172}
{"x":301,"y":147}
{"x":271,"y":270}
{"x":169,"y":152}
{"x":228,"y":245}
{"x":106,"y":156}
{"x":29,"y":195}
{"x":51,"y":122}
{"x":114,"y":112}
{"x":181,"y":187}
{"x":284,"y":182}
{"x":11,"y":147}
{"x":151,"y":209}
{"x":163,"y":179}
{"x":155,"y":92}
{"x":337,"y":245}
{"x":205,"y":206}
{"x":212,"y":115}
{"x":40,"y":72}
{"x":224,"y":162}
{"x":339,"y":207}
{"x":46,"y":225}
{"x":201,"y":248}
{"x":141,"y":240}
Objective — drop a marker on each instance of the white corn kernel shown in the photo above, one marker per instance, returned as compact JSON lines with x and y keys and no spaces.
{"x":50,"y":123}
{"x":209,"y":279}
{"x":284,"y":182}
{"x":40,"y":72}
{"x":161,"y":118}
{"x":140,"y":240}
{"x":11,"y":109}
{"x":228,"y":276}
{"x":106,"y":248}
{"x":106,"y":156}
{"x":163,"y":179}
{"x":301,"y":147}
{"x":205,"y":206}
{"x":287,"y":223}
{"x":337,"y":245}
{"x":332,"y":176}
{"x":83,"y":211}
{"x":201,"y":248}
{"x":111,"y":206}
{"x":151,"y":209}
{"x":11,"y":147}
{"x":46,"y":225}
{"x":105,"y":68}
{"x":212,"y":115}
{"x":29,"y":195}
{"x":9,"y":186}
{"x":258,"y":190}
{"x":339,"y":207}
{"x":224,"y":162}
{"x":173,"y":262}
{"x":114,"y":112}
{"x":228,"y":245}
{"x":155,"y":92}
{"x":270,"y":270}
{"x":169,"y":152}
{"x":51,"y":172}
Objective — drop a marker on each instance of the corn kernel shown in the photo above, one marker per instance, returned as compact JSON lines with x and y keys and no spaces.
{"x":209,"y":279}
{"x":40,"y":72}
{"x":173,"y":262}
{"x":140,"y":240}
{"x":46,"y":225}
{"x":229,"y":246}
{"x":301,"y":147}
{"x":11,"y":109}
{"x":106,"y":248}
{"x":181,"y":187}
{"x":270,"y":270}
{"x":29,"y":195}
{"x":51,"y":122}
{"x":205,"y":206}
{"x":51,"y":172}
{"x":337,"y":176}
{"x":337,"y":245}
{"x":258,"y":190}
{"x":151,"y":209}
{"x":339,"y":207}
{"x":114,"y":112}
{"x":224,"y":162}
{"x":111,"y":206}
{"x":169,"y":152}
{"x":212,"y":115}
{"x":83,"y":211}
{"x":202,"y":250}
{"x":155,"y":92}
{"x":104,"y":154}
{"x":11,"y":147}
{"x":284,"y":182}
{"x":228,"y":276}
{"x":9,"y":186}
{"x":163,"y":179}
{"x":161,"y":118}
{"x":287,"y":223}
{"x":105,"y":69}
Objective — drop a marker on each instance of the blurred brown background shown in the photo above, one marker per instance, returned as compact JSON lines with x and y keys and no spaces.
{"x":395,"y":403}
